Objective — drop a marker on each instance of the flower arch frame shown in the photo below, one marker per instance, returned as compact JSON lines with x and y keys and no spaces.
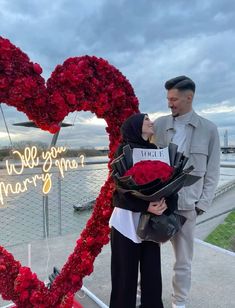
{"x":85,"y":83}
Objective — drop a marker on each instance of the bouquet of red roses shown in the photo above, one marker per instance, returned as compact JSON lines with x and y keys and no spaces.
{"x":151,"y":180}
{"x":145,"y":171}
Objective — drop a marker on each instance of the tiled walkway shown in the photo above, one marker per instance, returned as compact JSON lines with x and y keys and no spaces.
{"x":213,"y":279}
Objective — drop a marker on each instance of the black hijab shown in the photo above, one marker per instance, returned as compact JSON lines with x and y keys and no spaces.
{"x":131,"y":131}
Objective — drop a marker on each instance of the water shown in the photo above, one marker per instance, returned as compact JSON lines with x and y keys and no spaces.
{"x":228,"y":157}
{"x":227,"y":174}
{"x":21,"y":217}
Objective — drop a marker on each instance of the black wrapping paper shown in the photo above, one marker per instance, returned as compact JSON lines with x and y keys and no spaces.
{"x":156,"y":189}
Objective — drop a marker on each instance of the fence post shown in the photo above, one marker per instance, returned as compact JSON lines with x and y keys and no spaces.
{"x":59,"y":206}
{"x":45,"y":197}
{"x":45,"y":216}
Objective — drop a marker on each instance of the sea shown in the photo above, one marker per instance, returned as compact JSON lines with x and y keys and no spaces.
{"x":26,"y":227}
{"x":30,"y":216}
{"x":227,"y":174}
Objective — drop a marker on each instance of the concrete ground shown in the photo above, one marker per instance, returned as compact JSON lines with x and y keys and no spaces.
{"x":213,"y":272}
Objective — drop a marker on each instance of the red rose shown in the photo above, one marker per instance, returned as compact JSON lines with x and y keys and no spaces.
{"x":147,"y":171}
{"x":24,"y":295}
{"x":71,"y":98}
{"x":3,"y":82}
{"x":37,"y":68}
{"x":90,"y":240}
{"x":53,"y":128}
{"x":81,"y":83}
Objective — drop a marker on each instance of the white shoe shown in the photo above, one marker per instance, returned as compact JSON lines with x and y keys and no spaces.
{"x":177,"y":306}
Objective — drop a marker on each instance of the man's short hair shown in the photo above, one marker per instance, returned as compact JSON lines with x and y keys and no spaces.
{"x":180,"y":83}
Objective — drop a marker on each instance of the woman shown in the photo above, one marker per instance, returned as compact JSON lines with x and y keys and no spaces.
{"x":128,"y":251}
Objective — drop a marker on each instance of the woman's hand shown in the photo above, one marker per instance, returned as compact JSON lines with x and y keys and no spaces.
{"x":157,"y":207}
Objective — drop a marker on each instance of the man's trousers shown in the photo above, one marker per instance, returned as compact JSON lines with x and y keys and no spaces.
{"x":183,"y":243}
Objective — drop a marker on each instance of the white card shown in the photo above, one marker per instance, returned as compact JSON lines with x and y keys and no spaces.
{"x":151,"y":154}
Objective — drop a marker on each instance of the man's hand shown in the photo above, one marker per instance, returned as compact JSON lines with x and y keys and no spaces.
{"x":157,"y":207}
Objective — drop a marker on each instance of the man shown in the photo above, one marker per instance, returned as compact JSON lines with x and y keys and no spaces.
{"x":198,"y":139}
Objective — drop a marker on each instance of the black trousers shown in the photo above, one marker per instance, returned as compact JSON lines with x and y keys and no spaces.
{"x":125,"y":259}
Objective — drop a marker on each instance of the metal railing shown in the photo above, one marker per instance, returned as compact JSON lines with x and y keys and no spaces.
{"x":227,"y":186}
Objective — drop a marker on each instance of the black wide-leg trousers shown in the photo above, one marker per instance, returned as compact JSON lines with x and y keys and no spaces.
{"x":125,"y":259}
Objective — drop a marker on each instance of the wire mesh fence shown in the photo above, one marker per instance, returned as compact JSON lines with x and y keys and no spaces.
{"x":31,"y":216}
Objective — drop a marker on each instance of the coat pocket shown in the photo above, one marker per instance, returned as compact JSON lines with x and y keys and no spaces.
{"x":199,"y":157}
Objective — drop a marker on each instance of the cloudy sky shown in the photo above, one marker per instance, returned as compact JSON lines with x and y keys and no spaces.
{"x":149,"y":41}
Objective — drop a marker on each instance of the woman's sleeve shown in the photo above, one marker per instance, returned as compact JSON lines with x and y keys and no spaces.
{"x":129,"y":202}
{"x":172,"y":203}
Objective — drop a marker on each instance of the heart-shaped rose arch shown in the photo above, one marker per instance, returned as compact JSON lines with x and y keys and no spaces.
{"x":84,"y":83}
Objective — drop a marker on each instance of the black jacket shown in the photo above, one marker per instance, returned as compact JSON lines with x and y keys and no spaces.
{"x":131,"y":131}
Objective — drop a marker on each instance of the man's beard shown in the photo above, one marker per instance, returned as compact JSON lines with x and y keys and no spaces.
{"x":175,"y":115}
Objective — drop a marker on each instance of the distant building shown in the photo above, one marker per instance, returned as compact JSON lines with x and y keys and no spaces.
{"x":226,"y":138}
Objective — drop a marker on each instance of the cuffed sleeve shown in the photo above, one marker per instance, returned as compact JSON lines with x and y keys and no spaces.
{"x":129,"y":202}
{"x":172,"y":203}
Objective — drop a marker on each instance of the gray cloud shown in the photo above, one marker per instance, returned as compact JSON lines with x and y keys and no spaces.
{"x":148,"y":41}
